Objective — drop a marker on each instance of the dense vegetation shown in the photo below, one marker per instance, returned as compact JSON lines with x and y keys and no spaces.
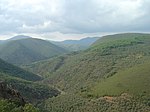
{"x":33,"y":92}
{"x":134,"y":81}
{"x":14,"y":71}
{"x":81,"y":70}
{"x":28,"y":50}
{"x":24,"y":82}
{"x":111,"y":76}
{"x":74,"y":103}
{"x":7,"y":106}
{"x":104,"y":71}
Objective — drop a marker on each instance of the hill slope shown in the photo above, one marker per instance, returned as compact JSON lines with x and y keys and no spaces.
{"x":104,"y":78}
{"x":134,"y":81}
{"x":24,"y":82}
{"x":11,"y":70}
{"x":102,"y":60}
{"x":25,"y":51}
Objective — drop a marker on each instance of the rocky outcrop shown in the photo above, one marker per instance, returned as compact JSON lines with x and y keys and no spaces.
{"x":7,"y":92}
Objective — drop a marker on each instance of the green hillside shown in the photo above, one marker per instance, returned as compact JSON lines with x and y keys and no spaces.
{"x":33,"y":92}
{"x":134,"y":81}
{"x":9,"y":106}
{"x":111,"y":76}
{"x":11,"y":70}
{"x":79,"y":71}
{"x":17,"y":94}
{"x":28,"y":50}
{"x":23,"y":81}
{"x":75,"y":103}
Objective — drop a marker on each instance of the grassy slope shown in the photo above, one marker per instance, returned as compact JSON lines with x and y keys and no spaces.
{"x":26,"y":51}
{"x":134,"y":81}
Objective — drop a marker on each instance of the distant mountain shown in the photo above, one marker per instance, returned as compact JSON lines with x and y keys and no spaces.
{"x":76,"y":45}
{"x":2,"y":41}
{"x":88,"y":40}
{"x":18,"y":37}
{"x":28,"y":50}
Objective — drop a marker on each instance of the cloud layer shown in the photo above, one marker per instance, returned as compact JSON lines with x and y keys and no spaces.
{"x":69,"y":17}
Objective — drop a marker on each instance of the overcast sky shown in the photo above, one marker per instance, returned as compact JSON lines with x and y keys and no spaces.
{"x":72,"y":19}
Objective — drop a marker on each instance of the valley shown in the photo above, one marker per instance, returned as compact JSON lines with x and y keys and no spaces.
{"x":110,"y":75}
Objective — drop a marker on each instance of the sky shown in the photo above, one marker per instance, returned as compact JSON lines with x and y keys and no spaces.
{"x":72,"y":19}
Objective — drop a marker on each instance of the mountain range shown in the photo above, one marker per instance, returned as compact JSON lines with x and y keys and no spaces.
{"x":76,"y":45}
{"x":103,"y":59}
{"x":19,"y":37}
{"x":21,"y":50}
{"x":113,"y":71}
{"x":111,"y":75}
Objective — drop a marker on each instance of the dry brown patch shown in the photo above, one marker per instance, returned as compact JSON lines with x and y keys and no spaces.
{"x":109,"y":99}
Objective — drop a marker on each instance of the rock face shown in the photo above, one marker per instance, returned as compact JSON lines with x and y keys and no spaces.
{"x":7,"y":92}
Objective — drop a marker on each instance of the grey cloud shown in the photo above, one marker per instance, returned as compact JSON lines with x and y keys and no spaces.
{"x":92,"y":17}
{"x":74,"y":16}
